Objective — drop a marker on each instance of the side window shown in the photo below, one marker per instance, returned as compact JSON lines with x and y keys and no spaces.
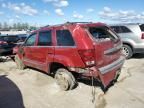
{"x":124,"y":29}
{"x":64,"y":38}
{"x":45,"y":38}
{"x":116,"y":29}
{"x":31,"y":40}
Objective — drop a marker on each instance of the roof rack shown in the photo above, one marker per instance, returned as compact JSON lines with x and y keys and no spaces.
{"x":44,"y":26}
{"x":77,"y":22}
{"x":65,"y":24}
{"x":125,"y":24}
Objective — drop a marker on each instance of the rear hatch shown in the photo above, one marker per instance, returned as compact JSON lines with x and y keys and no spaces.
{"x":107,"y":51}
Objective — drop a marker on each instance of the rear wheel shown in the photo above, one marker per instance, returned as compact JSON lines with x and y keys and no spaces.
{"x":65,"y":79}
{"x":127,"y":51}
{"x":19,"y":63}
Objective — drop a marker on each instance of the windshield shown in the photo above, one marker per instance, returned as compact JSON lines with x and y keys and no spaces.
{"x":102,"y":33}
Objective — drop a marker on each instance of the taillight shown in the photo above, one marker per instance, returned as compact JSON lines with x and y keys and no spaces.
{"x":3,"y":42}
{"x":88,"y":57}
{"x":142,"y":37}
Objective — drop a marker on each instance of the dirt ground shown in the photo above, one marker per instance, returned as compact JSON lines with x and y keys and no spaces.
{"x":32,"y":89}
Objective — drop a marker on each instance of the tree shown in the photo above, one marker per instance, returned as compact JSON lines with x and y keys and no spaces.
{"x":19,"y":26}
{"x":5,"y":25}
{"x":0,"y":25}
{"x":32,"y":28}
{"x":26,"y":26}
{"x":14,"y":26}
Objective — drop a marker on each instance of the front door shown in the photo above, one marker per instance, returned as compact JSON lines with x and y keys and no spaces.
{"x":27,"y":48}
{"x":44,"y":50}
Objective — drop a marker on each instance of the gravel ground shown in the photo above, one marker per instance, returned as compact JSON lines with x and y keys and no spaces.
{"x":32,"y":89}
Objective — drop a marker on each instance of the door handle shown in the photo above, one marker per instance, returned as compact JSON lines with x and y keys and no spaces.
{"x":50,"y":53}
{"x":23,"y":54}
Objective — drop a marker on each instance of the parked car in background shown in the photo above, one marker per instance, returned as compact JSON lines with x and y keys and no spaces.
{"x":14,"y":38}
{"x":73,"y":50}
{"x":8,"y":42}
{"x":6,"y":47}
{"x":132,"y":36}
{"x":2,"y":44}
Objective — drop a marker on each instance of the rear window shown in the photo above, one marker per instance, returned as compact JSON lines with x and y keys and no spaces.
{"x":102,"y":33}
{"x":10,"y":38}
{"x":142,"y":27}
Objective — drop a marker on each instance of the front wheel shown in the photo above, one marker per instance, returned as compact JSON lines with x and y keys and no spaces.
{"x":127,"y":51}
{"x":65,"y":79}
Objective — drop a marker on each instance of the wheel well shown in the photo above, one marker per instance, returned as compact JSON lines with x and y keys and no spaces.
{"x":55,"y":66}
{"x":128,"y":45}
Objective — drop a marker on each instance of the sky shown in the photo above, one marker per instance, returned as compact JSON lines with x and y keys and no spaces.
{"x":49,"y":12}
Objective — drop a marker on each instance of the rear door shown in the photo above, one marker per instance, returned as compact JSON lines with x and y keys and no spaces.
{"x":107,"y":50}
{"x":65,"y":51}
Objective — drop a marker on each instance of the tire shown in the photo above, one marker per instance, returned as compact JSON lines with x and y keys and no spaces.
{"x":65,"y":79}
{"x":127,"y":51}
{"x":19,"y":63}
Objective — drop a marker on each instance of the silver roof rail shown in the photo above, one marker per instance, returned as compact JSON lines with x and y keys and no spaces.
{"x":67,"y":23}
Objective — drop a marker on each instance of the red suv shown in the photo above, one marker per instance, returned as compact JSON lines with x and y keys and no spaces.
{"x":85,"y":49}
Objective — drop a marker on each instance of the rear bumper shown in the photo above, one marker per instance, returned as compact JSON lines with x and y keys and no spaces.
{"x":138,"y":47}
{"x":109,"y":73}
{"x":112,"y":66}
{"x":138,"y":50}
{"x":105,"y":74}
{"x":103,"y":70}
